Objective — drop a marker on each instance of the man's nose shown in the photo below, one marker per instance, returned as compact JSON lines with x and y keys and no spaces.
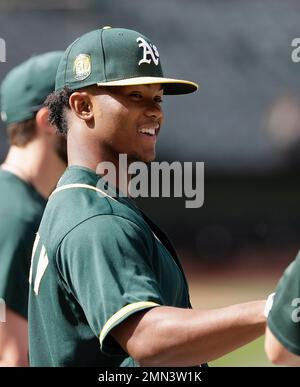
{"x":154,"y":110}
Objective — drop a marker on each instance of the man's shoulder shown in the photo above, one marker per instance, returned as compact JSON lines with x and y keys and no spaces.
{"x":82,"y":200}
{"x":109,"y":226}
{"x":83,"y":208}
{"x":291,"y":276}
{"x":286,"y":297}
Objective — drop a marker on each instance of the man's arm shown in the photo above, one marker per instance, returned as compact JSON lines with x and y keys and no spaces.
{"x":168,"y":336}
{"x":13,"y":341}
{"x":277,"y":353}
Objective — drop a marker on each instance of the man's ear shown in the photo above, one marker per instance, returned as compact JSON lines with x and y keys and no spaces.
{"x":42,"y":121}
{"x":81,"y":105}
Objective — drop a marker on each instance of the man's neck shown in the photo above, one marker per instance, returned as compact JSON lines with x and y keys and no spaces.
{"x":39,"y":167}
{"x":91,"y":156}
{"x":118,"y":179}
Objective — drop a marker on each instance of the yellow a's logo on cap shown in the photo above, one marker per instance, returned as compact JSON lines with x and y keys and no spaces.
{"x":82,"y":67}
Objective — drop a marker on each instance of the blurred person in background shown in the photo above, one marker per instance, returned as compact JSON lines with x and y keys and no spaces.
{"x":36,"y":159}
{"x":283,"y":130}
{"x":282,"y":341}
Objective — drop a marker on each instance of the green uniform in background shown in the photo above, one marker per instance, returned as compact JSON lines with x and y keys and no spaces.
{"x":96,"y":261}
{"x":22,"y":93}
{"x":284,"y":317}
{"x":21,"y":210}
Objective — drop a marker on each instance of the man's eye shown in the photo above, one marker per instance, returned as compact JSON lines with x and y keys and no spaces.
{"x":136,"y":95}
{"x":158,"y":100}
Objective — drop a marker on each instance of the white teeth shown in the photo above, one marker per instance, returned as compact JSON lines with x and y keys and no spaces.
{"x":150,"y":131}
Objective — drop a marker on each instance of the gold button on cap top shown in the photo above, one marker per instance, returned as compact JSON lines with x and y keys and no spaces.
{"x":106,"y":27}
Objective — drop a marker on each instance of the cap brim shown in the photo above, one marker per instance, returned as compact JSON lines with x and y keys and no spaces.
{"x":170,"y":86}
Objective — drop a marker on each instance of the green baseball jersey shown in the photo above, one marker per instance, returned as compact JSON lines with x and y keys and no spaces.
{"x":21,"y":209}
{"x":97,"y":259}
{"x":284,"y":317}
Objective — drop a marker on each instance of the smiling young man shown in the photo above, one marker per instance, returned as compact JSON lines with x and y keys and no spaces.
{"x":107,"y":288}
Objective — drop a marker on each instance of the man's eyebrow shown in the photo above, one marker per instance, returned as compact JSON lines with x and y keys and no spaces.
{"x":148,"y":85}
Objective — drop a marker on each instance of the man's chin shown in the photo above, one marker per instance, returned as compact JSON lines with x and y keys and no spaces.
{"x":143,"y":158}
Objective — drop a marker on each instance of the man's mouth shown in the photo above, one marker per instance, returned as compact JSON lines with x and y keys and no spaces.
{"x":149,"y":130}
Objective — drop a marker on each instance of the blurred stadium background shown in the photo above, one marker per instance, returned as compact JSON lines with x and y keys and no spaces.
{"x":244,"y":123}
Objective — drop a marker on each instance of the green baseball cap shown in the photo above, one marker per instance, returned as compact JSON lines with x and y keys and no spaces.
{"x":115,"y":57}
{"x":25,"y":88}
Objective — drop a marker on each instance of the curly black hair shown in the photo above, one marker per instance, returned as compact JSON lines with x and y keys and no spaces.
{"x":57,"y":103}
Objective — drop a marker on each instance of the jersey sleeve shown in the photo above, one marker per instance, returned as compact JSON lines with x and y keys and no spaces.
{"x":284,"y":317}
{"x":16,"y":241}
{"x":107,"y":263}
